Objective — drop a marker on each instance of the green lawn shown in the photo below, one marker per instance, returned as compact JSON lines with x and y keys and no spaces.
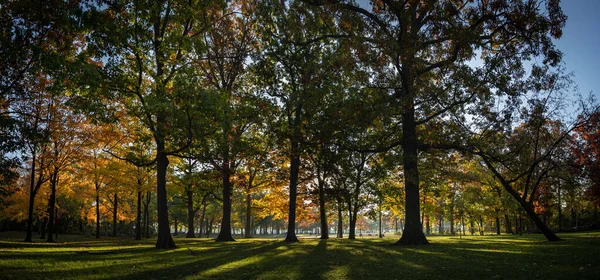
{"x":471,"y":257}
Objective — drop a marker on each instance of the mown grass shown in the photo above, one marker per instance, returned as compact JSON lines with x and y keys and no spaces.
{"x":470,"y":257}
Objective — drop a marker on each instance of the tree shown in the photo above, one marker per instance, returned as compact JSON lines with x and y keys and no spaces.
{"x":141,"y":58}
{"x":293,"y":66}
{"x":428,"y":44}
{"x":586,"y":147}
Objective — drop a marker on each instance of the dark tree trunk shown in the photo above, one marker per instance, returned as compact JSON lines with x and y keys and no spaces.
{"x":202,"y":218}
{"x":413,"y":230}
{"x":191,"y":212}
{"x":43,"y":228}
{"x":559,"y":211}
{"x":225,"y":231}
{"x":427,"y":225}
{"x":164,"y":241}
{"x":248,"y":227}
{"x":508,"y":223}
{"x":209,"y":226}
{"x":322,"y":212}
{"x":340,"y":225}
{"x":352,"y":221}
{"x":138,"y":219}
{"x":380,"y":229}
{"x":147,"y":215}
{"x":51,"y":206}
{"x":550,"y":236}
{"x":175,"y":223}
{"x":97,"y":213}
{"x":294,"y":170}
{"x":115,"y":209}
{"x":32,"y":193}
{"x":498,"y":223}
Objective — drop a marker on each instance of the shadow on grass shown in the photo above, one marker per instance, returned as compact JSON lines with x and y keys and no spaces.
{"x":476,"y":257}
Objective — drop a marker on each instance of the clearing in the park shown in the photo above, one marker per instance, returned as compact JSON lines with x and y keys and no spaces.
{"x":447,"y":257}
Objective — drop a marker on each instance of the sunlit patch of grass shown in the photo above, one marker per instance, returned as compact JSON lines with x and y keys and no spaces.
{"x":448,"y":257}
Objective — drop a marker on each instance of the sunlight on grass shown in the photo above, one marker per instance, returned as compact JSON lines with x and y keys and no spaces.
{"x":475,"y":257}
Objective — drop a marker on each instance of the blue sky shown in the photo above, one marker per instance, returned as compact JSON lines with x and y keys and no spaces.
{"x":580,"y":43}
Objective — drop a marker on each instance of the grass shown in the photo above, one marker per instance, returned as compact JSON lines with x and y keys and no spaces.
{"x":470,"y":257}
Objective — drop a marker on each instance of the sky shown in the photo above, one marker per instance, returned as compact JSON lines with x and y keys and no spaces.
{"x":580,"y":43}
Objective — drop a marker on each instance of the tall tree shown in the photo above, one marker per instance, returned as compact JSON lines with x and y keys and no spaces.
{"x":293,"y":66}
{"x":428,"y":45}
{"x":143,"y":52}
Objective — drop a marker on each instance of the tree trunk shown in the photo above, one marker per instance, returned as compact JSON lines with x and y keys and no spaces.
{"x":115,"y":204}
{"x":202,"y":218}
{"x":427,"y":225}
{"x":322,"y":212}
{"x":550,"y":236}
{"x":380,"y":229}
{"x":32,"y":194}
{"x":413,"y":230}
{"x":294,"y":170}
{"x":559,"y":211}
{"x":51,"y":205}
{"x":507,"y":223}
{"x":164,"y":241}
{"x":248,"y":228}
{"x":497,"y":223}
{"x":340,"y":225}
{"x":138,"y":219}
{"x":190,"y":214}
{"x":352,"y":220}
{"x":225,"y":231}
{"x":176,"y":225}
{"x":147,"y":215}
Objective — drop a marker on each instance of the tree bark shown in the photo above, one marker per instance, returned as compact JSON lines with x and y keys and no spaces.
{"x":51,"y":205}
{"x":508,"y":223}
{"x":559,"y":211}
{"x":248,"y":227}
{"x":294,"y":170}
{"x":164,"y":240}
{"x":32,"y":194}
{"x":191,"y":212}
{"x":97,"y":214}
{"x":413,"y":230}
{"x":322,"y":211}
{"x":497,"y":223}
{"x":115,"y":209}
{"x":138,"y":219}
{"x":380,"y":229}
{"x":147,"y":215}
{"x":340,"y":226}
{"x":225,"y":231}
